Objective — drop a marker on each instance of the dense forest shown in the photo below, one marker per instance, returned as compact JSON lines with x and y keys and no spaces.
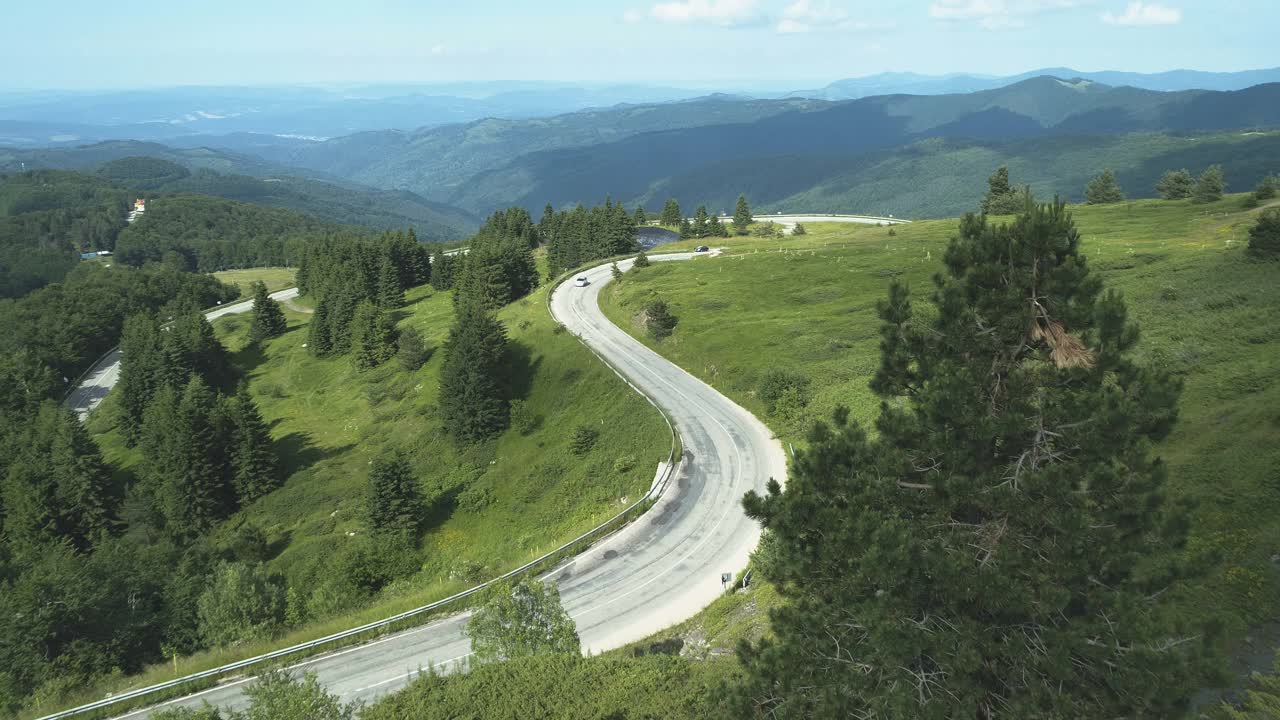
{"x":580,"y":235}
{"x":205,"y":234}
{"x":47,"y":218}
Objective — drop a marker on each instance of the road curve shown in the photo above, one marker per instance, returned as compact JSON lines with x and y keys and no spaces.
{"x":658,"y":571}
{"x":99,"y":379}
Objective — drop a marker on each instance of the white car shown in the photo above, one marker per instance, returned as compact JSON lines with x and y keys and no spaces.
{"x":580,"y":281}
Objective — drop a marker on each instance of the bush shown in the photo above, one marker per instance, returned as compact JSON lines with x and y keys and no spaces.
{"x":242,"y":602}
{"x":1264,"y":236}
{"x":798,"y":230}
{"x":766,"y":229}
{"x":642,"y":261}
{"x":1209,"y":186}
{"x":523,"y":418}
{"x":658,"y":319}
{"x":1268,"y":189}
{"x":584,"y":438}
{"x":624,"y":464}
{"x":783,"y":390}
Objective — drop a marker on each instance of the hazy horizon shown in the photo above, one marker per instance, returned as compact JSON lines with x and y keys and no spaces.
{"x":696,"y":44}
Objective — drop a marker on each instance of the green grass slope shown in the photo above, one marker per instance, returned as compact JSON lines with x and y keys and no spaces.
{"x":496,"y":505}
{"x":1207,"y":311}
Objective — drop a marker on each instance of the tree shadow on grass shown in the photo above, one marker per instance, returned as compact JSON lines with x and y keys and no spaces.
{"x":522,"y":366}
{"x":440,"y":508}
{"x":297,"y":451}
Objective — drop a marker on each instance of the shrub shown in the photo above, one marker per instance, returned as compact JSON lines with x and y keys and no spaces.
{"x":658,"y":319}
{"x":1268,"y":189}
{"x":1264,"y":236}
{"x":583,"y":439}
{"x":798,"y":230}
{"x":766,"y":229}
{"x":624,"y":464}
{"x":642,"y":261}
{"x":779,"y":387}
{"x":523,"y":418}
{"x":242,"y":602}
{"x":1210,"y":185}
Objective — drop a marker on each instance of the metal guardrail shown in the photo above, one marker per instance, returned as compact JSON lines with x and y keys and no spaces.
{"x":656,"y":490}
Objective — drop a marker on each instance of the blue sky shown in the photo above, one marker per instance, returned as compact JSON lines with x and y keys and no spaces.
{"x":703,"y":43}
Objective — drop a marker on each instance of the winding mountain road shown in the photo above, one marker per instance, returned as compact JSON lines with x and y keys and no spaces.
{"x":658,"y":571}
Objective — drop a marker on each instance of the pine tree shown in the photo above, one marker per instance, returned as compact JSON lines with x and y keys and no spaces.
{"x":715,"y":228}
{"x":615,"y":271}
{"x":373,"y":337}
{"x":318,"y":340}
{"x":1176,"y":185}
{"x":441,"y":271}
{"x":186,"y":461}
{"x":256,"y":469}
{"x":390,"y":293}
{"x":474,"y":392}
{"x":642,"y":260}
{"x":671,"y":215}
{"x":1209,"y":186}
{"x":658,"y":319}
{"x":191,"y":347}
{"x":742,"y":216}
{"x":141,"y":366}
{"x":640,"y":217}
{"x":999,"y":548}
{"x":412,"y":350}
{"x":268,"y":320}
{"x":1104,"y":189}
{"x":701,"y":223}
{"x":58,"y":488}
{"x":1001,"y":198}
{"x":1264,"y":236}
{"x":394,"y":504}
{"x":1268,"y":188}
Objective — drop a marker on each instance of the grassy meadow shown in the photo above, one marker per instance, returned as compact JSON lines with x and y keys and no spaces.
{"x":275,"y":278}
{"x":1207,"y":311}
{"x":493,"y":506}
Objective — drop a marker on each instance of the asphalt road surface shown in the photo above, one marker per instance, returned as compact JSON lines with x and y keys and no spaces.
{"x":658,"y":571}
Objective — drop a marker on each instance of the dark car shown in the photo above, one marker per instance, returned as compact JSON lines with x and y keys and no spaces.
{"x":701,"y":248}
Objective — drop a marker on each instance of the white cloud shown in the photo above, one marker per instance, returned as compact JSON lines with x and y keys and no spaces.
{"x":632,"y":16}
{"x":810,"y":15}
{"x":998,"y":14}
{"x":1143,"y":13}
{"x":728,"y":13}
{"x":439,"y":50}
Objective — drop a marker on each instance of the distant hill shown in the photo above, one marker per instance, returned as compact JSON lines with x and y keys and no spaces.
{"x":250,"y":179}
{"x":437,"y":162}
{"x":896,"y":83}
{"x":641,"y":166}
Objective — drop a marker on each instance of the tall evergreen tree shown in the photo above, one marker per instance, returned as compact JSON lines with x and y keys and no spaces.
{"x":671,"y":215}
{"x":701,"y":222}
{"x":1103,"y":189}
{"x":640,"y":218}
{"x":411,"y":349}
{"x":373,"y":337}
{"x":390,"y":290}
{"x":1210,"y":186}
{"x":686,"y":229}
{"x":256,"y":469}
{"x":57,"y":488}
{"x":1000,"y":548}
{"x":394,"y":503}
{"x":141,"y":372}
{"x":268,"y":320}
{"x":441,"y":271}
{"x":715,"y":228}
{"x":1176,"y":185}
{"x":186,"y":453}
{"x":742,"y":216}
{"x":318,"y":340}
{"x":474,"y":393}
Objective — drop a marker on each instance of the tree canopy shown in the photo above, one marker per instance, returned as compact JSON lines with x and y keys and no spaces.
{"x":1000,"y":547}
{"x":522,"y":620}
